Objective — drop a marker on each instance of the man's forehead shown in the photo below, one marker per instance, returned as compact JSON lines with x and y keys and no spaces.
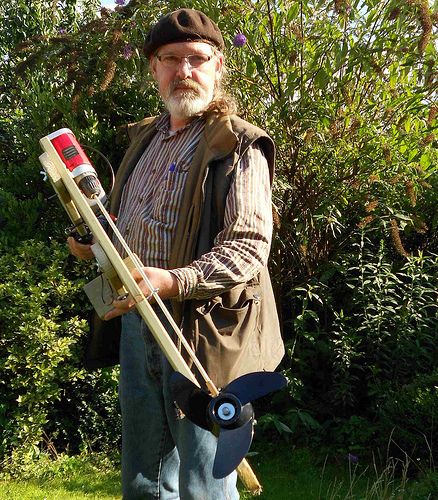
{"x":186,"y":47}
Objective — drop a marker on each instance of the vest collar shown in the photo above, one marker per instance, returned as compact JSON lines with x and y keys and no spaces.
{"x":219,"y":135}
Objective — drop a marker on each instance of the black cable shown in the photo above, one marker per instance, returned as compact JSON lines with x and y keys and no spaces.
{"x":108,"y":163}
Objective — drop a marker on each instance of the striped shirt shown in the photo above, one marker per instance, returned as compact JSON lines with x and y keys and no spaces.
{"x":150,"y":204}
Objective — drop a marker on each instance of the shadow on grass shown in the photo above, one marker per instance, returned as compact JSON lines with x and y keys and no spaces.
{"x":287,"y":473}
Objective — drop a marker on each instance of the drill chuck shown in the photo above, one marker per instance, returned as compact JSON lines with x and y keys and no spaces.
{"x":90,"y":186}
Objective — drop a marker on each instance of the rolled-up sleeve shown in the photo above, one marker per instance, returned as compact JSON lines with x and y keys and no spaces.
{"x":241,"y":249}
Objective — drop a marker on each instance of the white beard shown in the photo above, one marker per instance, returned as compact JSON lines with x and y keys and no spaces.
{"x":188,"y":102}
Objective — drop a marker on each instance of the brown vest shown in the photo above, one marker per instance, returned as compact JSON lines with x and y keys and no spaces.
{"x":238,"y":331}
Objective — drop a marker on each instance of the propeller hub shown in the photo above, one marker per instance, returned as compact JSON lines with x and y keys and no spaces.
{"x":227,"y":411}
{"x":229,"y":415}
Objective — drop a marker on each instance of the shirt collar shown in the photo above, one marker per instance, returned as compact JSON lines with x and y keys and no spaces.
{"x":163,"y":125}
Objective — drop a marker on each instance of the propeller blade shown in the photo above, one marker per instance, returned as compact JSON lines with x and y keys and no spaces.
{"x":232,"y":446}
{"x":192,"y":400}
{"x":255,"y":385}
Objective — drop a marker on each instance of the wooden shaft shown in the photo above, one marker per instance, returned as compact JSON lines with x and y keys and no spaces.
{"x":154,"y":293}
{"x":248,"y":478}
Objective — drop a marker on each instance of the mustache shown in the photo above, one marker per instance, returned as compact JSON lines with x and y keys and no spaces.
{"x":184,"y":84}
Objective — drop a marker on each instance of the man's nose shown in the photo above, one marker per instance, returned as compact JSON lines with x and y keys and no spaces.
{"x":184,"y":70}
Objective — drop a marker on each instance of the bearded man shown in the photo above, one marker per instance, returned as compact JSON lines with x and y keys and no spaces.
{"x":193,"y":201}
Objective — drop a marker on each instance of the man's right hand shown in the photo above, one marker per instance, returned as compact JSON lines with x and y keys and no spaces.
{"x":79,"y":250}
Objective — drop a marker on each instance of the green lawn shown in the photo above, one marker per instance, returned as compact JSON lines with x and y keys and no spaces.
{"x":68,"y":478}
{"x":82,"y":487}
{"x":285,"y":473}
{"x":296,"y":474}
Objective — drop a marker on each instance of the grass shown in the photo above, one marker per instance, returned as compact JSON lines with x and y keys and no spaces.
{"x":297,"y":474}
{"x":90,"y":476}
{"x":67,"y":491}
{"x":285,"y":473}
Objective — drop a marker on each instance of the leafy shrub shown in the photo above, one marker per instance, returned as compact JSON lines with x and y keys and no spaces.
{"x":42,"y":325}
{"x":86,"y":417}
{"x":408,"y":415}
{"x":364,"y":341}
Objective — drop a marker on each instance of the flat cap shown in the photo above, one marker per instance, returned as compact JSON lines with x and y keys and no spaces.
{"x":183,"y":25}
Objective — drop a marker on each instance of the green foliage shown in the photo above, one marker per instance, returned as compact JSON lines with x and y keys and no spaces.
{"x":349,"y":98}
{"x":390,"y":318}
{"x":366,"y":351}
{"x":38,"y":338}
{"x":417,"y":404}
{"x":40,"y":356}
{"x":87,"y":416}
{"x":56,"y":75}
{"x":348,"y":91}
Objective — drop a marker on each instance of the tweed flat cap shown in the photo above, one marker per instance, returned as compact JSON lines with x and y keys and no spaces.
{"x":183,"y":25}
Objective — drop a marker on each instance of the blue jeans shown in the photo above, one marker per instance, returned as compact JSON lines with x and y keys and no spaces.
{"x":163,"y":456}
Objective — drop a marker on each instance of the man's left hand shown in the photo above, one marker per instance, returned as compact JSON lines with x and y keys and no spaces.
{"x":160,"y":279}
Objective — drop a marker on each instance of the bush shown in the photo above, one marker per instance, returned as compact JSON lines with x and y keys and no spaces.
{"x":42,"y":325}
{"x":365,"y":348}
{"x":408,"y":415}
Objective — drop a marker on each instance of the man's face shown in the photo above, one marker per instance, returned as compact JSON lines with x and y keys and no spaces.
{"x":185,"y":90}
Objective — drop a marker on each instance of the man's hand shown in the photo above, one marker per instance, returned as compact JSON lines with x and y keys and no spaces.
{"x":79,"y":250}
{"x":161,"y":279}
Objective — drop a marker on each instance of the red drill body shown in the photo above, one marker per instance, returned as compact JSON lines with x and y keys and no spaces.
{"x":77,"y":162}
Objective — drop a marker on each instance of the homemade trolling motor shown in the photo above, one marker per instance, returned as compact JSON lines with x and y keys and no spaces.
{"x":227,"y":413}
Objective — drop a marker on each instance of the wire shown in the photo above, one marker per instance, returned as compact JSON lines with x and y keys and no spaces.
{"x":108,"y":164}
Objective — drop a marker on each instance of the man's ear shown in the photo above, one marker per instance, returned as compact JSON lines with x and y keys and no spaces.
{"x":219,"y":63}
{"x":153,"y":66}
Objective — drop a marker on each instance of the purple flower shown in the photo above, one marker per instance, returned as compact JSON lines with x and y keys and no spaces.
{"x":120,"y":2}
{"x":353,"y":459}
{"x":239,"y":40}
{"x":62,"y":31}
{"x":128,"y":50}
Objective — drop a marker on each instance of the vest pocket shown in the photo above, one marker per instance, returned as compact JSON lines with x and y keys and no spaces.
{"x":226,"y":332}
{"x":226,"y":321}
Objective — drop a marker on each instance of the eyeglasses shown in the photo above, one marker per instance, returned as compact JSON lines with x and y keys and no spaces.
{"x":193,"y":60}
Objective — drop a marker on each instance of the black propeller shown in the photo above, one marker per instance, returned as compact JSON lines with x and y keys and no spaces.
{"x":230,"y":413}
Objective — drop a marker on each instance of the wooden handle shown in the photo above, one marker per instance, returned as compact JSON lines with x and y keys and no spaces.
{"x":248,"y":478}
